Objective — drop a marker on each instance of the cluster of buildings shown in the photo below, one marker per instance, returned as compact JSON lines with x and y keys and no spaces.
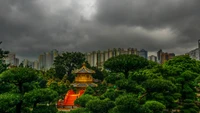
{"x":164,"y":56}
{"x":11,"y":59}
{"x":45,"y":61}
{"x":97,"y":58}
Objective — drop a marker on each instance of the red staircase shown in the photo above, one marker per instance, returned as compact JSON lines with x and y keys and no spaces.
{"x":70,"y":97}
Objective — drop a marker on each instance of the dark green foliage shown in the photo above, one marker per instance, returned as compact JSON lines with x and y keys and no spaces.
{"x":129,"y":86}
{"x":51,"y":73}
{"x":45,"y":109}
{"x":126,"y":103}
{"x":113,"y":77}
{"x":100,"y":106}
{"x":89,"y":90}
{"x":59,"y":87}
{"x":154,"y":106}
{"x":159,"y":85}
{"x":98,"y":74}
{"x":40,"y":95}
{"x":28,"y":85}
{"x":84,"y":99}
{"x":125,"y":63}
{"x":111,"y":94}
{"x":8,"y":102}
{"x":183,"y":63}
{"x":189,"y":106}
{"x":67,"y":62}
{"x":80,"y":110}
{"x":19,"y":77}
{"x":3,"y":54}
{"x":101,"y":89}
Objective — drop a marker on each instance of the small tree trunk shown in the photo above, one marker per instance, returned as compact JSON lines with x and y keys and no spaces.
{"x":35,"y":104}
{"x":18,"y":107}
{"x":126,"y":74}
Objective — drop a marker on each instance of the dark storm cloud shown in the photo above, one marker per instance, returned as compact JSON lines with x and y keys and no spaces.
{"x":31,"y":27}
{"x":182,"y":16}
{"x":28,"y":28}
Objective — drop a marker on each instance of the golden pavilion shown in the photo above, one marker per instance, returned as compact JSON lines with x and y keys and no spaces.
{"x":83,"y":78}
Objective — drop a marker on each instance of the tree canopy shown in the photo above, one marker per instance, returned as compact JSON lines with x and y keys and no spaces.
{"x":3,"y":54}
{"x":67,"y":62}
{"x":24,"y":91}
{"x":125,"y":63}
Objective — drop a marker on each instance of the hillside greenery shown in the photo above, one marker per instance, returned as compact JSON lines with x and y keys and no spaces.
{"x":128,"y":84}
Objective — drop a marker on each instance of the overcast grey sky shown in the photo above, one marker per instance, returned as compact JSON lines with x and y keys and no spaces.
{"x":31,"y":27}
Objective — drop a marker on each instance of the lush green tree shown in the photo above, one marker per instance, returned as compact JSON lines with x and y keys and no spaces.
{"x":89,"y":90}
{"x":3,"y":54}
{"x":155,"y":106}
{"x":45,"y":109}
{"x":51,"y":73}
{"x":60,"y":87}
{"x":40,"y":95}
{"x":98,"y":74}
{"x":183,"y":72}
{"x":82,"y":101}
{"x":80,"y":110}
{"x":113,"y":77}
{"x":100,"y":89}
{"x":8,"y":102}
{"x":100,"y":106}
{"x":28,"y":84}
{"x":111,"y":94}
{"x":181,"y":63}
{"x":67,"y":62}
{"x":126,"y":103}
{"x":125,"y":63}
{"x":20,"y":78}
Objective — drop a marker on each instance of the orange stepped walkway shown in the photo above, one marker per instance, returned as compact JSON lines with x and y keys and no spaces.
{"x":70,"y":97}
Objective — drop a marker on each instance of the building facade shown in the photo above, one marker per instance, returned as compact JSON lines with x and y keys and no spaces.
{"x":153,"y":58}
{"x":194,"y":54}
{"x":12,"y":60}
{"x":143,"y":53}
{"x":164,"y":56}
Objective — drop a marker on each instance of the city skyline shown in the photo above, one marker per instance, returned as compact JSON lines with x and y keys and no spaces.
{"x":97,"y":58}
{"x":29,"y":28}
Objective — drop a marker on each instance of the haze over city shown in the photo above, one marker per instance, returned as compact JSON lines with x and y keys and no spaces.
{"x":31,"y":27}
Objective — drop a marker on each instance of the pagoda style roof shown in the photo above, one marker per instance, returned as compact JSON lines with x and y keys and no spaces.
{"x":84,"y":69}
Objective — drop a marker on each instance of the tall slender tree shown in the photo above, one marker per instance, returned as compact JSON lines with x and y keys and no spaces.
{"x":3,"y":54}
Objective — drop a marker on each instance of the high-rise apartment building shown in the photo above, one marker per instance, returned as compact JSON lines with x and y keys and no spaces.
{"x":11,"y":59}
{"x":153,"y":58}
{"x":166,"y":56}
{"x":42,"y":62}
{"x":143,"y":53}
{"x":159,"y":55}
{"x":195,"y":53}
{"x":36,"y":65}
{"x":27,"y":63}
{"x":163,"y":57}
{"x":46,"y":59}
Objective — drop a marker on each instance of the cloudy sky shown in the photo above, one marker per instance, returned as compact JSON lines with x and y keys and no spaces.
{"x":31,"y":27}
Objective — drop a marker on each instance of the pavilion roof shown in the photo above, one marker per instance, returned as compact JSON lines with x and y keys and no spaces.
{"x":84,"y":69}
